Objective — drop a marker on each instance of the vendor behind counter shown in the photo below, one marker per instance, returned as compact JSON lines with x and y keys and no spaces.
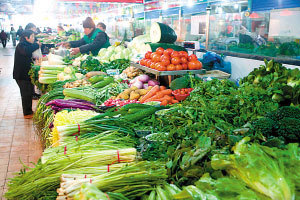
{"x":93,"y":41}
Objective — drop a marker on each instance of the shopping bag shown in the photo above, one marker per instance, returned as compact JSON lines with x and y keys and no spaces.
{"x":37,"y":54}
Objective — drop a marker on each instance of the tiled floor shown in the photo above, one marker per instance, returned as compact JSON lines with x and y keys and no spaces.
{"x":17,"y":138}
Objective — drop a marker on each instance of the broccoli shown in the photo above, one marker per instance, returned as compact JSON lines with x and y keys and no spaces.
{"x":265,"y":126}
{"x":283,"y":112}
{"x":289,"y":128}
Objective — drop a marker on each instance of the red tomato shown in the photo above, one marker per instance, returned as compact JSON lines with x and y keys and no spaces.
{"x":152,"y":65}
{"x":184,"y":66}
{"x":200,"y":65}
{"x":155,"y":57}
{"x":169,"y":51}
{"x":142,"y":62}
{"x":164,"y":68}
{"x":195,"y":64}
{"x":192,"y":57}
{"x":148,"y":54}
{"x":183,"y":60}
{"x":175,"y":60}
{"x":159,"y":66}
{"x":171,"y":67}
{"x":165,"y":57}
{"x":148,"y":62}
{"x":175,"y":54}
{"x":178,"y":67}
{"x":160,"y":50}
{"x":165,"y":62}
{"x":183,"y":54}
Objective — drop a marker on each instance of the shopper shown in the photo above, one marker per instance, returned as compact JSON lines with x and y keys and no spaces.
{"x":3,"y":37}
{"x":93,"y":41}
{"x":19,"y":32}
{"x":38,"y":31}
{"x":101,"y":26}
{"x":22,"y":65}
{"x":13,"y":34}
{"x":31,"y":26}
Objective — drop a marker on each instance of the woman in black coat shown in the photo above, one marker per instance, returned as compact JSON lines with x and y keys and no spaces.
{"x":22,"y":65}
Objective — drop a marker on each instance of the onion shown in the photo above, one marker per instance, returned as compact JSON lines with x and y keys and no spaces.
{"x":138,"y":84}
{"x":153,"y":82}
{"x":143,"y":78}
{"x":133,"y":80}
{"x":145,"y":86}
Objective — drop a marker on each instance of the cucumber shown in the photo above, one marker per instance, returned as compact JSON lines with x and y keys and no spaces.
{"x":153,"y":46}
{"x":78,"y":94}
{"x":96,"y":79}
{"x":162,"y":33}
{"x":107,"y":80}
{"x":135,"y":105}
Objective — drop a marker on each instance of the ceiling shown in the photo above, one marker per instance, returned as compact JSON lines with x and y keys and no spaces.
{"x":13,"y":6}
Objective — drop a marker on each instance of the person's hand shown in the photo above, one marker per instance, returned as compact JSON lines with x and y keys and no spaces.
{"x":39,"y":43}
{"x":75,"y":51}
{"x":64,"y":44}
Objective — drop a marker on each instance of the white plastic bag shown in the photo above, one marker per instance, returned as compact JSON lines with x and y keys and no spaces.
{"x":37,"y":54}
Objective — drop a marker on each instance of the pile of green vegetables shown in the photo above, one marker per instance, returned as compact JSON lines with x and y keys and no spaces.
{"x":222,"y":142}
{"x":34,"y":77}
{"x":93,"y":64}
{"x":281,"y":83}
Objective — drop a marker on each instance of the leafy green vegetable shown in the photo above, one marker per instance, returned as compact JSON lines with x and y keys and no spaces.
{"x":283,"y":123}
{"x":282,"y":84}
{"x":261,"y":172}
{"x":178,"y":83}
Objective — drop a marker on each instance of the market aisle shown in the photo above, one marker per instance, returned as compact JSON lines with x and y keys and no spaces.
{"x":17,"y":138}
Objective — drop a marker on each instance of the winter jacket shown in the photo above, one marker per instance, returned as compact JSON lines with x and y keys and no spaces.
{"x":3,"y":35}
{"x":93,"y":42}
{"x":23,"y":60}
{"x":19,"y":32}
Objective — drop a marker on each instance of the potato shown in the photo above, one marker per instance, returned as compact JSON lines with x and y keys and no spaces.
{"x":143,"y":91}
{"x":124,"y":96}
{"x":134,"y":95}
{"x":127,"y":91}
{"x":133,"y":88}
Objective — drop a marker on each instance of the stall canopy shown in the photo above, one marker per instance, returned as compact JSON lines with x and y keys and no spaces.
{"x":258,"y":5}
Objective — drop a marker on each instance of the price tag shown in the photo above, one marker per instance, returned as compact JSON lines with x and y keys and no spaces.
{"x":113,"y":72}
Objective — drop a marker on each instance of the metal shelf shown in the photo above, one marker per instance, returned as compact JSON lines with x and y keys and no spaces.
{"x":168,"y":73}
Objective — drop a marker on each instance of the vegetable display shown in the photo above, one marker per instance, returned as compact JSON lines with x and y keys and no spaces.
{"x":132,"y":72}
{"x":282,"y":84}
{"x":129,"y":137}
{"x":170,"y":60}
{"x":106,"y":55}
{"x":77,"y":83}
{"x":133,"y":93}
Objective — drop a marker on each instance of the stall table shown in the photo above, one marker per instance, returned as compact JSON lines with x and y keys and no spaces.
{"x":170,"y":74}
